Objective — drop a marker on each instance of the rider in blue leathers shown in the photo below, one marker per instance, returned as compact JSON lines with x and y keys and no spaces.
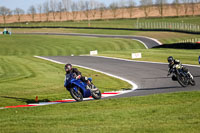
{"x":77,"y":75}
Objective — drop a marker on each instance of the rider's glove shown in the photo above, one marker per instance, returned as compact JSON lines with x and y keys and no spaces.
{"x":169,"y":72}
{"x":78,"y":77}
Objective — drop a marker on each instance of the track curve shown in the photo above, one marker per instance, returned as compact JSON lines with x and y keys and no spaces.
{"x":150,"y":77}
{"x":148,"y":42}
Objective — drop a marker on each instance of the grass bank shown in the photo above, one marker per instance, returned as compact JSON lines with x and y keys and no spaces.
{"x":176,"y":112}
{"x":164,"y":37}
{"x":24,"y":78}
{"x":113,"y":23}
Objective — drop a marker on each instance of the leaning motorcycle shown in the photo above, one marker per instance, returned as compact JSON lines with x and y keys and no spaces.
{"x":78,"y":89}
{"x":183,"y":78}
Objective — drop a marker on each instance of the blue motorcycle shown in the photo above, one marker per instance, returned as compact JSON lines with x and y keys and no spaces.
{"x":78,"y":89}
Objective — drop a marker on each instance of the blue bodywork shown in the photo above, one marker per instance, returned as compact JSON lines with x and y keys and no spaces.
{"x":70,"y":82}
{"x":199,"y":59}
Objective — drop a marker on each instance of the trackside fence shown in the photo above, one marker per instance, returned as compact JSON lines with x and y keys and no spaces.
{"x":168,"y":26}
{"x":192,"y":40}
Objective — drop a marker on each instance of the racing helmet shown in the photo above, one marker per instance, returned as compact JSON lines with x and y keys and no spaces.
{"x":68,"y":67}
{"x":170,"y":59}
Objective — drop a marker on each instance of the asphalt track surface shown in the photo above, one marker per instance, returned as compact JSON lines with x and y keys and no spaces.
{"x":148,"y":42}
{"x":151,"y":78}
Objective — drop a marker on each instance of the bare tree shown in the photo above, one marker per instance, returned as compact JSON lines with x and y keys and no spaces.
{"x":81,"y":7}
{"x":186,"y":6}
{"x":161,"y":4}
{"x":193,"y":6}
{"x":146,"y":6}
{"x":121,"y":6}
{"x":39,"y":8}
{"x":5,"y":13}
{"x":101,"y":8}
{"x":130,"y":7}
{"x":93,"y":7}
{"x":176,"y":4}
{"x":74,"y":8}
{"x":32,"y":12}
{"x":86,"y":11}
{"x":46,"y":9}
{"x":60,"y":9}
{"x":18,"y":12}
{"x":67,"y":7}
{"x":53,"y":7}
{"x":114,"y":7}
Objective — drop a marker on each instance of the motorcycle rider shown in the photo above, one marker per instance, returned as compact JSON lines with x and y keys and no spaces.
{"x":77,"y":74}
{"x":173,"y":62}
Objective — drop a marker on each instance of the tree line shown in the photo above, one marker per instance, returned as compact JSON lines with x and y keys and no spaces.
{"x":89,"y":8}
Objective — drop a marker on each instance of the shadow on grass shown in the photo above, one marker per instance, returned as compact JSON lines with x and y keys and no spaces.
{"x":180,"y":46}
{"x":28,"y":101}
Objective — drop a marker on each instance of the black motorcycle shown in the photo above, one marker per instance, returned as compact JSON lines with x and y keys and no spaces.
{"x":184,"y":78}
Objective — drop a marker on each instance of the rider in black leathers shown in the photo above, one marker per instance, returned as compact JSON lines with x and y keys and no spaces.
{"x":173,"y":62}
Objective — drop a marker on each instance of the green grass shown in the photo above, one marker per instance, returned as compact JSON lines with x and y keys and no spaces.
{"x":158,"y":55}
{"x":61,"y":45}
{"x":24,"y":78}
{"x":20,"y":72}
{"x":164,"y":37}
{"x":118,"y":23}
{"x":166,"y":113}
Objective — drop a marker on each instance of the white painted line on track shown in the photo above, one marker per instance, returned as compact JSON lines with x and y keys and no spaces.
{"x":141,"y":42}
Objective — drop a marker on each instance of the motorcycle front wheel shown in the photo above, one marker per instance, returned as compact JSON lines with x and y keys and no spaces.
{"x":183,"y":80}
{"x":77,"y":95}
{"x":192,"y":82}
{"x":96,"y":94}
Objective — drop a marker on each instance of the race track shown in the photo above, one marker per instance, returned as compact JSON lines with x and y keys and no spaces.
{"x":146,"y":41}
{"x":151,"y":78}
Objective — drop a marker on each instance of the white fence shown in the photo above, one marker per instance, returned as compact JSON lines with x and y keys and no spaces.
{"x":192,"y":40}
{"x":168,"y":26}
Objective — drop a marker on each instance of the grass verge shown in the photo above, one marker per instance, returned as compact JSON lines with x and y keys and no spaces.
{"x":112,"y":23}
{"x":175,"y":112}
{"x":24,"y":78}
{"x":164,"y":37}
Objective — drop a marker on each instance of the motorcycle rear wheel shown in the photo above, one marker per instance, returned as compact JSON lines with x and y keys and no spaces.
{"x":78,"y":96}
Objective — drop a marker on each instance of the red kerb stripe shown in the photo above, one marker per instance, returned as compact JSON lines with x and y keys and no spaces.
{"x":109,"y":93}
{"x":18,"y":106}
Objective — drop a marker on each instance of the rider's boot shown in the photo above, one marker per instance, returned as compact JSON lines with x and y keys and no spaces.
{"x":91,"y":86}
{"x":190,"y":75}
